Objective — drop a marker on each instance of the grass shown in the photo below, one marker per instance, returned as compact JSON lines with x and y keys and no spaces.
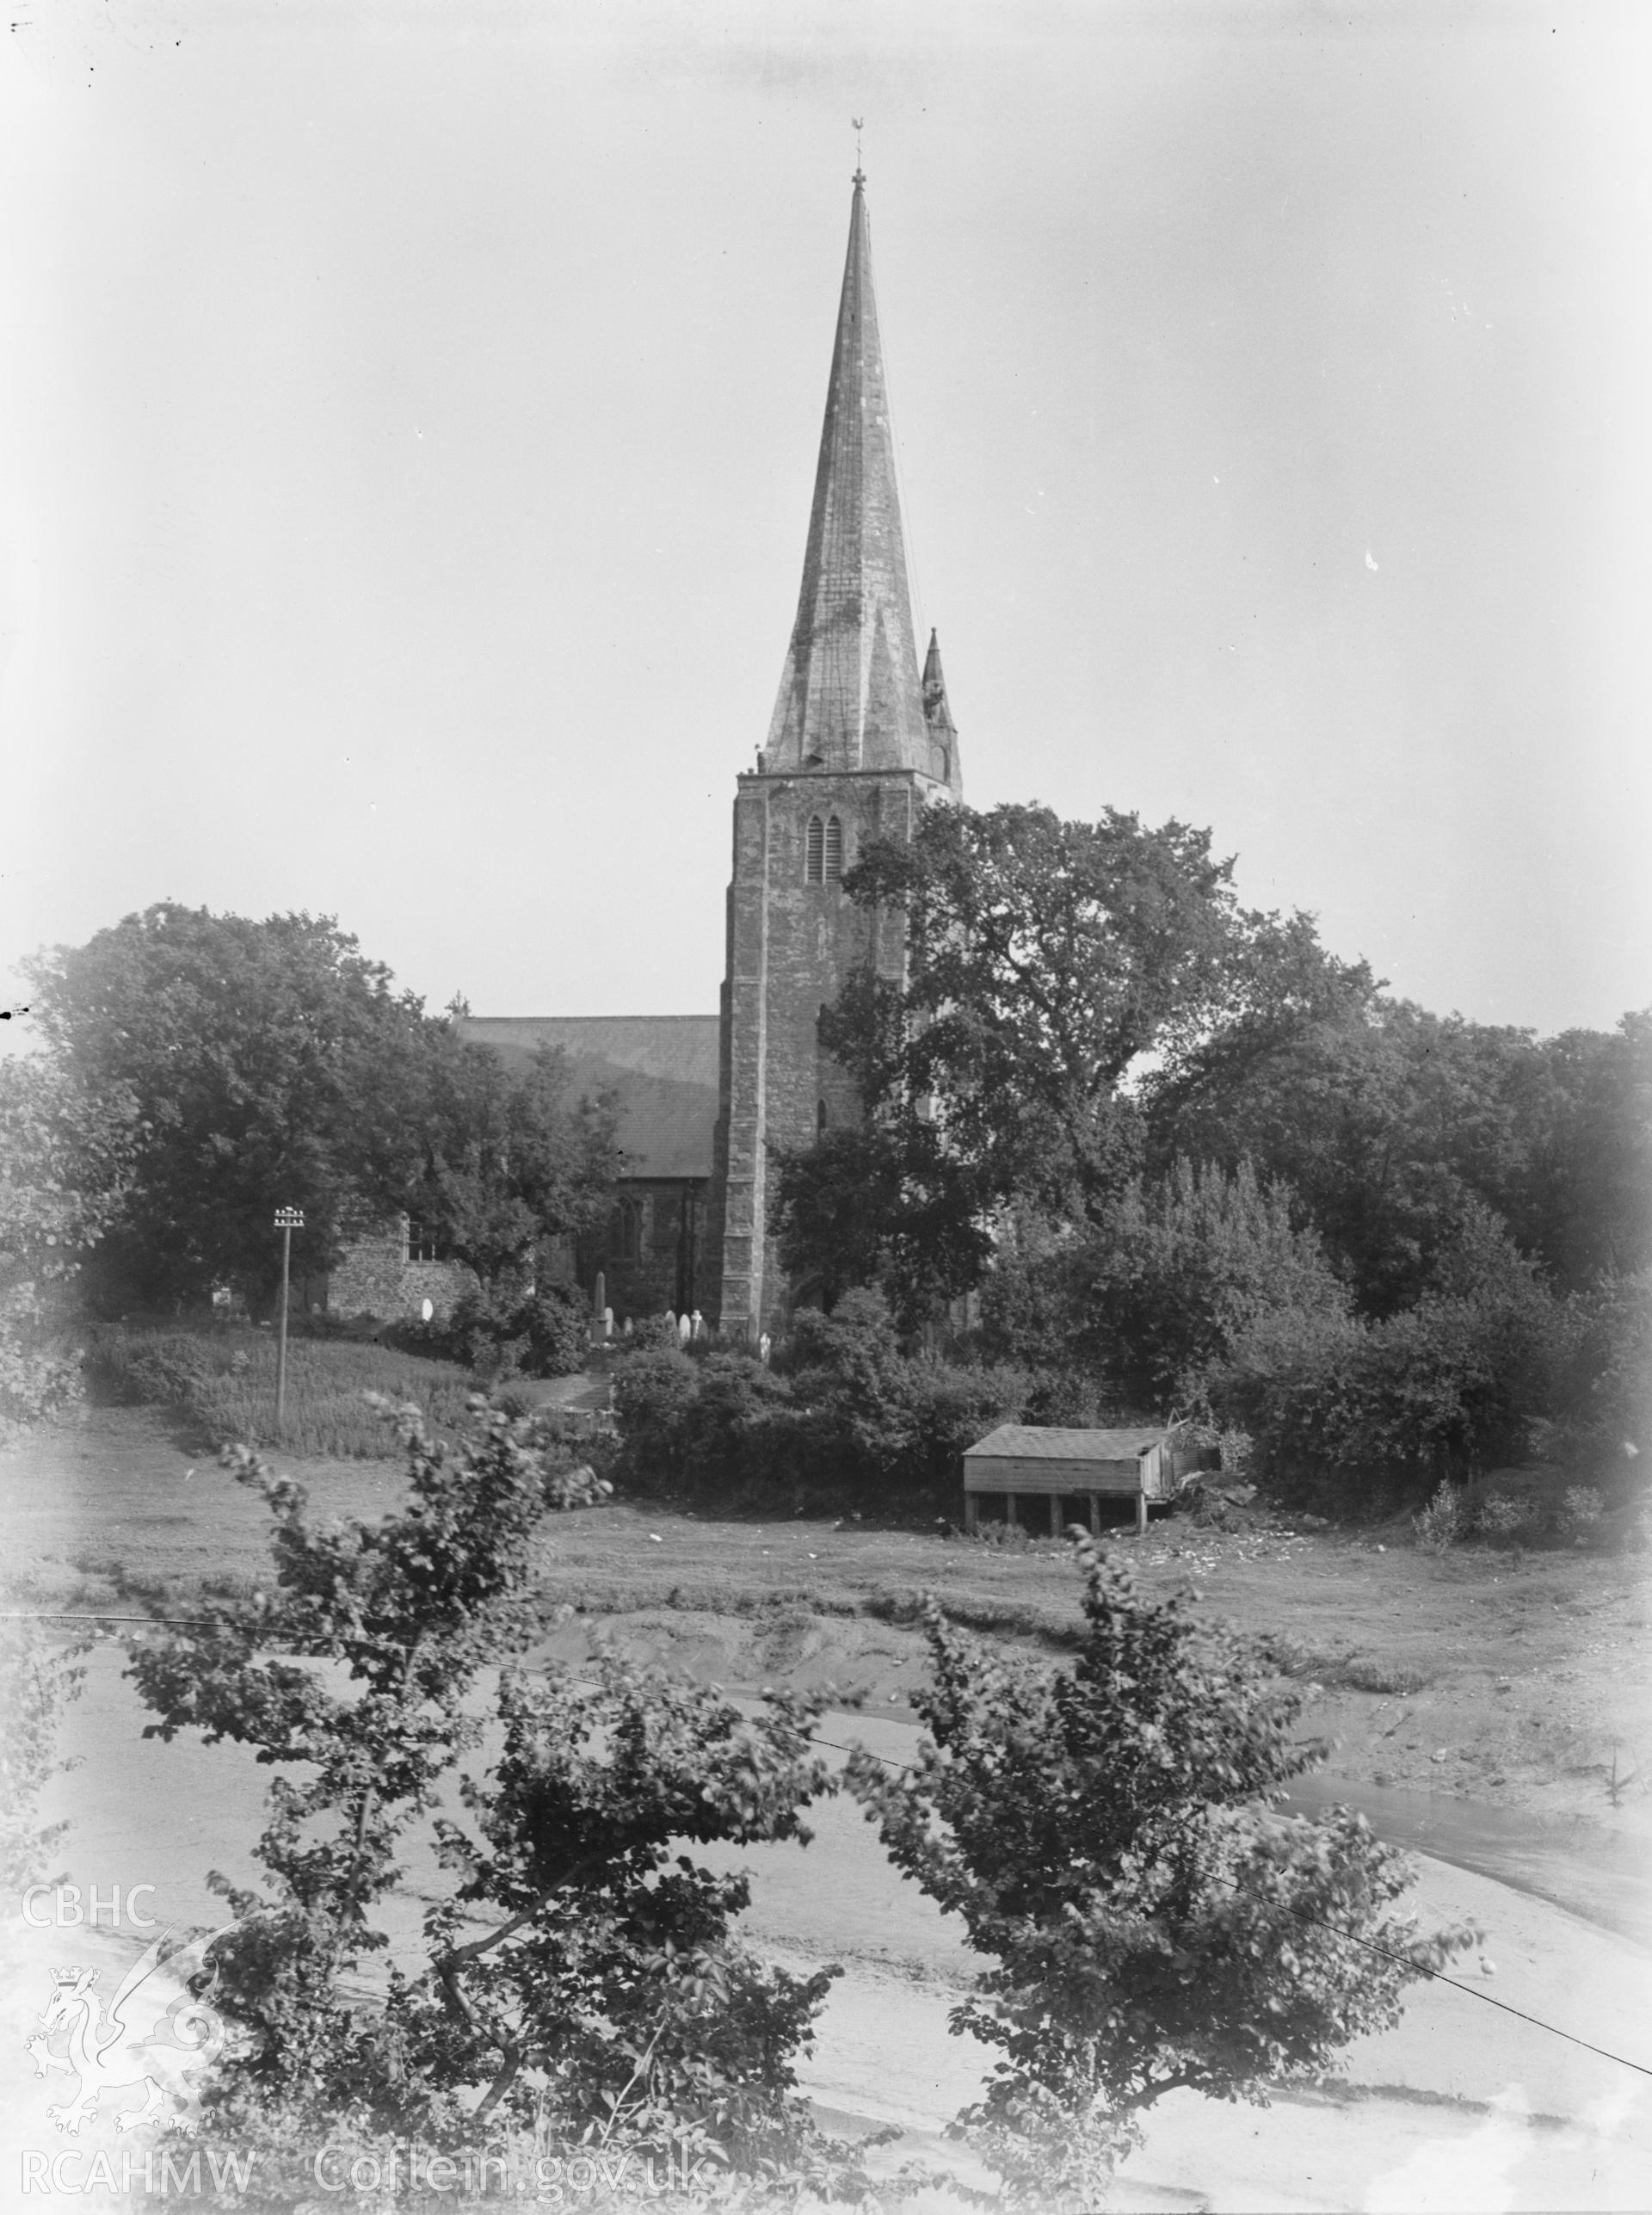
{"x":1512,"y":1679}
{"x":224,"y":1382}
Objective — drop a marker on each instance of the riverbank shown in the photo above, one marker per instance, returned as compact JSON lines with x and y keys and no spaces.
{"x":1516,"y":1681}
{"x":1464,"y":2105}
{"x":1534,"y":1666}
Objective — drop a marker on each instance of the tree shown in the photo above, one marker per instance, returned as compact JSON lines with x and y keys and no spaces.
{"x":581,"y":1978}
{"x":1048,"y":963}
{"x":1109,"y":1834}
{"x":1152,"y":1299}
{"x":266,"y":1059}
{"x":66,"y":1156}
{"x":504,"y":1160}
{"x":882,"y":1203}
{"x":273,"y":1063}
{"x":1587,"y":1210}
{"x":1392,"y":1124}
{"x":1459,"y":1381}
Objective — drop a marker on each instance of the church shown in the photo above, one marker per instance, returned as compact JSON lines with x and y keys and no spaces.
{"x":860,"y":739}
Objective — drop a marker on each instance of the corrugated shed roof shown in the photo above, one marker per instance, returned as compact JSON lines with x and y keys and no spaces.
{"x":664,"y":1068}
{"x":1031,"y":1442}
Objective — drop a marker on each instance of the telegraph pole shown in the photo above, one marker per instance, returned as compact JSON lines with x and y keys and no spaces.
{"x":287,"y":1220}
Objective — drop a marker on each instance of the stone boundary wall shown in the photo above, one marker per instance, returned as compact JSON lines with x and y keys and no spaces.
{"x":375,"y":1278}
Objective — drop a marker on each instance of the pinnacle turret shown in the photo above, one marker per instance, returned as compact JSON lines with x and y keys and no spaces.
{"x":850,"y":697}
{"x":938,"y":715}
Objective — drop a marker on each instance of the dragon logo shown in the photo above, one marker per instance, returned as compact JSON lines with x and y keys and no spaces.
{"x":159,"y":2036}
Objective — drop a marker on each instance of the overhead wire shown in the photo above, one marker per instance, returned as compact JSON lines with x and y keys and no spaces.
{"x":904,"y":1768}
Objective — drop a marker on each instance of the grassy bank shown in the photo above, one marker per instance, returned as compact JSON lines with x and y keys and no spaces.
{"x":1517,"y":1679}
{"x":223,"y":1381}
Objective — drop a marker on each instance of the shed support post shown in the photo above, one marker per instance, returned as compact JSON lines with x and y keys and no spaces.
{"x":1141,"y":1515}
{"x":1055,"y":1514}
{"x":1010,"y":1515}
{"x":1095,"y":1514}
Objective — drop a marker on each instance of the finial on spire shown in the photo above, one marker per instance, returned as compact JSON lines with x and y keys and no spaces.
{"x":860,"y":176}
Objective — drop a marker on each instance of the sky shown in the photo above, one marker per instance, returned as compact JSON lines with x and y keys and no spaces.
{"x":409,"y":413}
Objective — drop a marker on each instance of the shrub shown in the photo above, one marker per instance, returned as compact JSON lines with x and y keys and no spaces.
{"x":65,"y":1161}
{"x":651,"y":1333}
{"x":849,"y":1417}
{"x":1501,"y":1515}
{"x":952,"y":1408}
{"x":225,"y":1380}
{"x":1148,"y":1300}
{"x":742,"y":1429}
{"x":505,"y":1332}
{"x":155,"y":1368}
{"x":40,"y":1362}
{"x":1441,"y":1524}
{"x":606,"y":2004}
{"x":1603,"y":1414}
{"x":1108,"y":1834}
{"x":652,"y":1391}
{"x":1582,"y":1510}
{"x":38,"y":1680}
{"x":1459,"y":1380}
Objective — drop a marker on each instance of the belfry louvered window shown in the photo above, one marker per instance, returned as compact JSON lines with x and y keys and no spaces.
{"x":834,"y":856}
{"x":813,"y":865}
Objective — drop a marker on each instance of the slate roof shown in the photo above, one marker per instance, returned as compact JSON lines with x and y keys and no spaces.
{"x":662,"y":1067}
{"x":1029,"y":1442}
{"x":850,"y":696}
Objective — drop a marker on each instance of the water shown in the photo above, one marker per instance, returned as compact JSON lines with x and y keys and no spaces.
{"x":1603,"y":1879}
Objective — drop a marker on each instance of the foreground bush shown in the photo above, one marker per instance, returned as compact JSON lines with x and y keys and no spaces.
{"x":580,"y":1986}
{"x":225,"y":1380}
{"x":38,"y":1679}
{"x":1109,"y":1835}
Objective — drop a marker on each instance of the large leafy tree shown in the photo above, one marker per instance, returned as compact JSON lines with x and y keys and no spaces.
{"x":506,"y":1159}
{"x":1149,"y":1300}
{"x":1587,"y":1206}
{"x":1049,"y":966}
{"x":273,"y":1063}
{"x":1110,"y":1834}
{"x":1394,"y":1126}
{"x":260,"y":1054}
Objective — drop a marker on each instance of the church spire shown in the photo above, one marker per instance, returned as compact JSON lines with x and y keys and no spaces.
{"x":850,"y":697}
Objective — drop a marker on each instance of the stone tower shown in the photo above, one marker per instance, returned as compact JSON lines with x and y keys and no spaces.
{"x":858,"y":740}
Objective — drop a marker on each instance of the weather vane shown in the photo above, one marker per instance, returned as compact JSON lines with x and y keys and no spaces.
{"x":858,"y":120}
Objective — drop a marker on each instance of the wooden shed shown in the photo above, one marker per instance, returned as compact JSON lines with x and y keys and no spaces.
{"x":1019,"y":1459}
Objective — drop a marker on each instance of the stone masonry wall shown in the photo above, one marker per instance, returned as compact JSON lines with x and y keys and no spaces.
{"x":791,"y":945}
{"x":374,"y":1277}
